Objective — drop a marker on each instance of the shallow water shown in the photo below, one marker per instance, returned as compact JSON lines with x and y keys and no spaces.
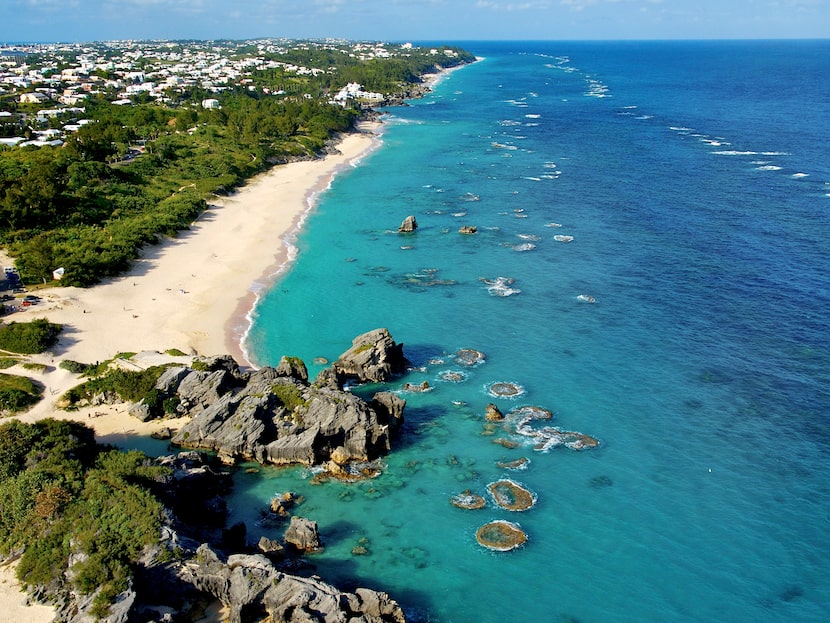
{"x":694,"y":181}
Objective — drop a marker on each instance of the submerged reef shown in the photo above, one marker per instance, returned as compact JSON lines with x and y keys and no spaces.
{"x":501,"y":536}
{"x":512,"y":496}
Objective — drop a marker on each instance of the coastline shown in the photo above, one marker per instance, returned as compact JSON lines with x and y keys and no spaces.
{"x":194,"y":293}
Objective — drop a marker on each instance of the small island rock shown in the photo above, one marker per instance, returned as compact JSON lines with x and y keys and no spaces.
{"x":302,"y":533}
{"x":409,"y":225}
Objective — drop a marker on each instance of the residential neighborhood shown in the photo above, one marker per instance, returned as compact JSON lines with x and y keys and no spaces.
{"x":44,"y":87}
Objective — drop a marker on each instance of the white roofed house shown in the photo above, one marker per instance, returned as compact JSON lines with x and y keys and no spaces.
{"x":210,"y":104}
{"x":33,"y":98}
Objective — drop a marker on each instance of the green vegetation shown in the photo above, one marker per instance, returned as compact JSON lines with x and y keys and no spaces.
{"x":75,"y":367}
{"x":28,"y":338}
{"x":127,"y":385}
{"x":175,"y":352}
{"x":17,"y":393}
{"x":289,"y":396}
{"x":61,"y":494}
{"x":140,"y":172}
{"x":8,"y":362}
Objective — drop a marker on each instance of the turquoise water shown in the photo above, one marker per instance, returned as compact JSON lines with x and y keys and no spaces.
{"x":694,"y":180}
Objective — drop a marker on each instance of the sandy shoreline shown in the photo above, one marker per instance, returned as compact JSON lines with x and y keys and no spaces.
{"x":193,"y":293}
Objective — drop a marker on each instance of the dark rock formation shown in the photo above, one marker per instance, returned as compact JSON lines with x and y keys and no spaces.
{"x":253,"y":589}
{"x":374,"y":357}
{"x":274,"y":416}
{"x":409,"y":225}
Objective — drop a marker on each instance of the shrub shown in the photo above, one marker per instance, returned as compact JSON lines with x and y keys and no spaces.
{"x":18,"y":393}
{"x":76,"y":367}
{"x":29,"y":338}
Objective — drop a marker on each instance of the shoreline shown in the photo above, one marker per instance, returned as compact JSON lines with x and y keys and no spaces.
{"x":239,"y":323}
{"x":244,"y":241}
{"x":167,"y":300}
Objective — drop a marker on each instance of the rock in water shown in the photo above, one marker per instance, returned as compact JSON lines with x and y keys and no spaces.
{"x":293,"y":367}
{"x":373,"y":358}
{"x":511,"y":495}
{"x":493,"y":413}
{"x":409,"y":225}
{"x":273,"y":416}
{"x":467,"y":229}
{"x":251,"y":583}
{"x":501,"y":536}
{"x":303,"y":534}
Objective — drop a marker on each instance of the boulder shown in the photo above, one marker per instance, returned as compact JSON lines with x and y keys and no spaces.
{"x":302,"y":533}
{"x":374,"y":357}
{"x":409,"y":225}
{"x":389,"y":405}
{"x":292,"y":367}
{"x":493,"y":413}
{"x":168,"y":382}
{"x":270,"y":547}
{"x":467,"y":229}
{"x":249,"y":584}
{"x":141,"y":411}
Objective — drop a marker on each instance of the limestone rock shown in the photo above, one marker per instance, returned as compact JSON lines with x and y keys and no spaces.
{"x":493,"y":413}
{"x":141,"y":411}
{"x":292,"y":367}
{"x":390,"y":405}
{"x":273,"y":415}
{"x":251,"y":583}
{"x":270,"y":547}
{"x":373,"y":357}
{"x":168,"y":382}
{"x":467,"y":229}
{"x":409,"y":225}
{"x":303,"y":534}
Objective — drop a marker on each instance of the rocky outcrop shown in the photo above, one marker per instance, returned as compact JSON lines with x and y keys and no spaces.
{"x":273,"y":415}
{"x":467,"y":229}
{"x":374,"y":357}
{"x":253,"y":589}
{"x":493,"y":414}
{"x":409,"y":225}
{"x":303,"y":534}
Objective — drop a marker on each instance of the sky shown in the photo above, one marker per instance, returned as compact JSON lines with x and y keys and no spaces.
{"x":411,"y":20}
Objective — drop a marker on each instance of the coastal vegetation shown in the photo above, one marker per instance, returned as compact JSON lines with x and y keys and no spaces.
{"x":69,"y":504}
{"x":125,"y":385}
{"x":135,"y":173}
{"x":28,"y":338}
{"x":17,"y":393}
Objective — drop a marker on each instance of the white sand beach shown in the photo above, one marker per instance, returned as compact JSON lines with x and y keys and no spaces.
{"x":190,"y":293}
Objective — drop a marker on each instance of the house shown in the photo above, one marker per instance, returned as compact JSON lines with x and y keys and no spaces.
{"x":33,"y":98}
{"x":210,"y":104}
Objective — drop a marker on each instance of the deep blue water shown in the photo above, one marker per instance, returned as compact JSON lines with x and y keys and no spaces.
{"x":695,"y":181}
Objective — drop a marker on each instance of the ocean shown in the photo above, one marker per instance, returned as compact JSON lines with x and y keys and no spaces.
{"x":652,"y":265}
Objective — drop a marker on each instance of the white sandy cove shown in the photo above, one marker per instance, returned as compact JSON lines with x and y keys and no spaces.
{"x":191,"y":293}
